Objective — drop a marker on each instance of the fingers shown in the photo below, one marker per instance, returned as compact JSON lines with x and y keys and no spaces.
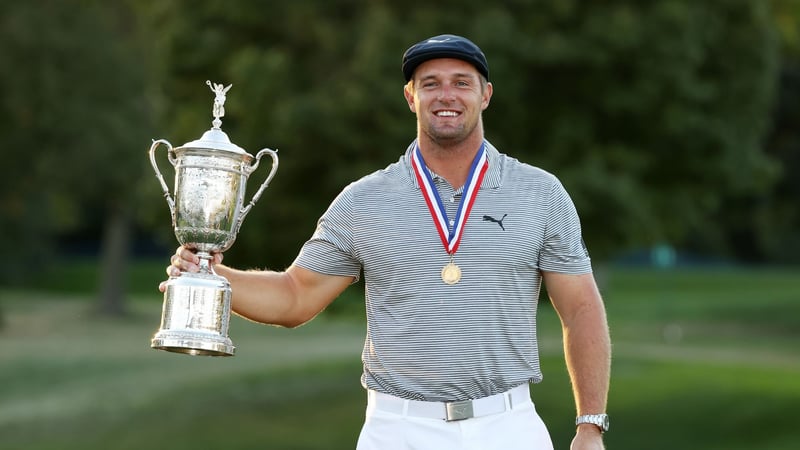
{"x":186,"y":254}
{"x":186,"y":260}
{"x":174,"y":269}
{"x":183,"y":260}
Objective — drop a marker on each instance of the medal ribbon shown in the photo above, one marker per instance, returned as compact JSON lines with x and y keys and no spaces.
{"x":451,"y":238}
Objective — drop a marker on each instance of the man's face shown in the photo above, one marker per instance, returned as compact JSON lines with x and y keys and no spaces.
{"x":448,"y":98}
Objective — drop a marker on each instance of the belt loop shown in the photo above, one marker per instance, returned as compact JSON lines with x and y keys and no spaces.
{"x":508,"y":400}
{"x":405,"y":408}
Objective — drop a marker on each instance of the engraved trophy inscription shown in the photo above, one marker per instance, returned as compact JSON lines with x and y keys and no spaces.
{"x":207,"y":210}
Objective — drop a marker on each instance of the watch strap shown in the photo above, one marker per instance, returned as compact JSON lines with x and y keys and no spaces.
{"x":598,"y":420}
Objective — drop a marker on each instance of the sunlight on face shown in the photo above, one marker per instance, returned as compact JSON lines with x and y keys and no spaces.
{"x":448,"y":96}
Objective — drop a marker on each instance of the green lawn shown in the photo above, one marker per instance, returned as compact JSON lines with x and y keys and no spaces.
{"x":703,"y":360}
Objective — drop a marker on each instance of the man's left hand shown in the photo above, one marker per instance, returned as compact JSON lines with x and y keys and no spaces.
{"x":588,"y":437}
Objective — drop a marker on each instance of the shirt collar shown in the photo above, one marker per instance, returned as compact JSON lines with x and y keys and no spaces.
{"x":490,"y":181}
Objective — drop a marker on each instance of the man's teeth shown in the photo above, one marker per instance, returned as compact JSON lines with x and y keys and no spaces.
{"x":446,"y":114}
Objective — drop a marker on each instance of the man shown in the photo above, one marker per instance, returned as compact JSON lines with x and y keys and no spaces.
{"x":454,"y":241}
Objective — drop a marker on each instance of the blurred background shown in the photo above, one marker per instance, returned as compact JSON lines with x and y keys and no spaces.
{"x":674,"y":125}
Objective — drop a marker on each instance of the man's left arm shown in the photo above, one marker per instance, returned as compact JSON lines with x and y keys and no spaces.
{"x":587,"y":348}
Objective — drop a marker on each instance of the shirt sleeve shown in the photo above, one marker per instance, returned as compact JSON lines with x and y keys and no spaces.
{"x":330,"y":249}
{"x":563,"y":250}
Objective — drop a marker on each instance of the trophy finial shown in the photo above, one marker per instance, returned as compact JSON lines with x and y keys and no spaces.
{"x":219,"y":101}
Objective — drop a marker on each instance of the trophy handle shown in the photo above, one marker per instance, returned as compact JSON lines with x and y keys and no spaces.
{"x":164,"y":187}
{"x":257,"y":195}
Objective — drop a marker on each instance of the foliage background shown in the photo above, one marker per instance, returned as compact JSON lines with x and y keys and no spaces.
{"x":670,"y":122}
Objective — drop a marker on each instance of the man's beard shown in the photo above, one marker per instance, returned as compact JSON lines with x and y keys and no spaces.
{"x":449,"y":135}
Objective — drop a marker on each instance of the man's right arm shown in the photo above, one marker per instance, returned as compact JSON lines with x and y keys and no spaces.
{"x":290,"y":298}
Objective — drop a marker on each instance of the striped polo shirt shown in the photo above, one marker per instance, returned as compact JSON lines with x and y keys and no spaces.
{"x":427,"y":340}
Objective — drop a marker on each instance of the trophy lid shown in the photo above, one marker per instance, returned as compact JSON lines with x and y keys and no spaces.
{"x":215,"y":138}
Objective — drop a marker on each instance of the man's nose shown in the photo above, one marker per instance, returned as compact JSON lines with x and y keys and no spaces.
{"x":446,"y":93}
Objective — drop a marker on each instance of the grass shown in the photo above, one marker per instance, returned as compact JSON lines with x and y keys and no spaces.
{"x":703,"y":360}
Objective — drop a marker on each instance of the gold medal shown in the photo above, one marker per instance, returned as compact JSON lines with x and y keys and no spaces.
{"x":450,"y":231}
{"x":451,"y":273}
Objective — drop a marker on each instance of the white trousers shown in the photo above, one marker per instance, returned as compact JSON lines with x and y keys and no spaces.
{"x":388,"y":427}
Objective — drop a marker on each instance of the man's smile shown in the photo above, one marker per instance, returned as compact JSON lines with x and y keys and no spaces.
{"x":446,"y":113}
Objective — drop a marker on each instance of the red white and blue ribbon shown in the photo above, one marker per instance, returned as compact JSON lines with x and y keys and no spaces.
{"x":451,"y":237}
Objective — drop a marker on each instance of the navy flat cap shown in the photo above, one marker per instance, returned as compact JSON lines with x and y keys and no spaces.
{"x":444,"y":46}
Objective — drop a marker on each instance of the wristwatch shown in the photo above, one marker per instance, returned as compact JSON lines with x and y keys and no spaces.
{"x":599,"y":420}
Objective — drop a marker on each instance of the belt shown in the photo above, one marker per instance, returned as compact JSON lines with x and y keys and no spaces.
{"x":451,"y":411}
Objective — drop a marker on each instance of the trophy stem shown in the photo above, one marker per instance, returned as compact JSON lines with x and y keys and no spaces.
{"x":205,"y":263}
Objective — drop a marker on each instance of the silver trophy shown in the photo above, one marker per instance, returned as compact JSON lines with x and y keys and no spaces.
{"x":207,"y":211}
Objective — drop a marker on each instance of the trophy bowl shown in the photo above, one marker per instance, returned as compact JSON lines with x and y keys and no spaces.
{"x":207,"y":211}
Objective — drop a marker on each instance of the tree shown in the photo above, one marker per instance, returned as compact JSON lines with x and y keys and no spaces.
{"x":651,"y":113}
{"x":78,"y":117}
{"x":312,"y":84}
{"x":764,"y":226}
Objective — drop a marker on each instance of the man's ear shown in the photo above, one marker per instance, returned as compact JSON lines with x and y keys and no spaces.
{"x":487,"y":96}
{"x":408,"y":92}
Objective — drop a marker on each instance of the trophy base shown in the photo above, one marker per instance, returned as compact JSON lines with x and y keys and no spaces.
{"x":192,"y":346}
{"x":196,"y":316}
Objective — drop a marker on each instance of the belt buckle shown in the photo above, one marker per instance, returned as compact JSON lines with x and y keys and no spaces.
{"x":458,"y":410}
